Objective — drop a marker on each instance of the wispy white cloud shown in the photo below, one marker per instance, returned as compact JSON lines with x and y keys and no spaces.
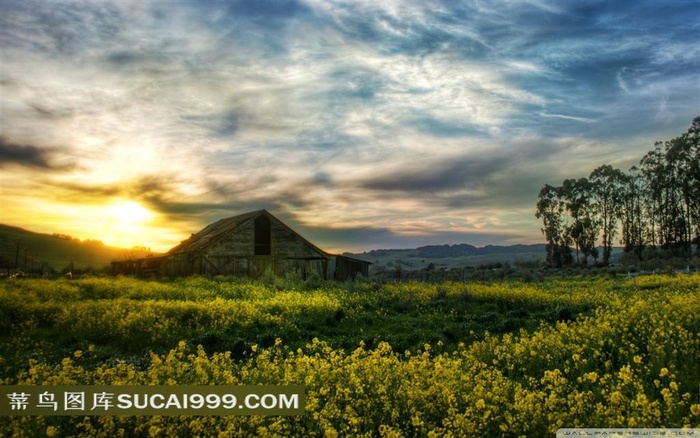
{"x":402,"y":117}
{"x":565,"y":117}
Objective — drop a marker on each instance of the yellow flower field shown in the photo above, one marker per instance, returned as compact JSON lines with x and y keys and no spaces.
{"x":628,"y":359}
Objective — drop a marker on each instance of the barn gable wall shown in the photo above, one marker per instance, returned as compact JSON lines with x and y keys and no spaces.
{"x":240,"y":243}
{"x":234,"y":254}
{"x":230,"y":247}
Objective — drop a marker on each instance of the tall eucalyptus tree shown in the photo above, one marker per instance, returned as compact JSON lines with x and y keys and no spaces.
{"x":550,"y":208}
{"x":607,"y":183}
{"x":585,"y":226}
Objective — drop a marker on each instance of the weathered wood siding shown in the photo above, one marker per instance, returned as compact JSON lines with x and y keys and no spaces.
{"x":252,"y":245}
{"x":181,"y":265}
{"x":233,"y":254}
{"x":347,"y":268}
{"x":240,"y":243}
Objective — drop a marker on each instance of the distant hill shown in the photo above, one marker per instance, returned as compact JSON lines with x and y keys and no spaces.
{"x":452,"y":256}
{"x":57,"y":251}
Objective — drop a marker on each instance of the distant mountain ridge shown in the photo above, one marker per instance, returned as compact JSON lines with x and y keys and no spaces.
{"x":449,"y":256}
{"x":31,"y":251}
{"x":465,"y":249}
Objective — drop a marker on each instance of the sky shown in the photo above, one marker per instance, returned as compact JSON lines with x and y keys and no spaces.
{"x":360,"y":124}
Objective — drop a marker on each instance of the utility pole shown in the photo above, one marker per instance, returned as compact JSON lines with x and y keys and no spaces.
{"x":17,"y":255}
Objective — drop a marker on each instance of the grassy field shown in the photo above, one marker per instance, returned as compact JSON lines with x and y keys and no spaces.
{"x":39,"y":252}
{"x":395,"y":359}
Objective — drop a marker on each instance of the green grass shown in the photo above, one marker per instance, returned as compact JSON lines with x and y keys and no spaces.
{"x":127,"y":318}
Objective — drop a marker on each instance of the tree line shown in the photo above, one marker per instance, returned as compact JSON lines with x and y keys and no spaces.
{"x":652,"y":207}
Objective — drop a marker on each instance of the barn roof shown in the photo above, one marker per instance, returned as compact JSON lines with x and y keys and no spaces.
{"x":213,"y":232}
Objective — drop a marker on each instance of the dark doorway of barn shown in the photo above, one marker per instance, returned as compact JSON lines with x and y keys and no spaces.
{"x":263,"y":236}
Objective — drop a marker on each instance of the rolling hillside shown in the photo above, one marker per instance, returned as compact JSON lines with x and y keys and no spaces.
{"x":36,"y":250}
{"x":452,"y":256}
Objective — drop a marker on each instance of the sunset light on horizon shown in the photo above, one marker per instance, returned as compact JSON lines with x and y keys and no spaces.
{"x":361,"y":124}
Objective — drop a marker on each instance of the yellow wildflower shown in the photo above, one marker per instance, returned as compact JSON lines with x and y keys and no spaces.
{"x":592,"y":376}
{"x":616,"y":397}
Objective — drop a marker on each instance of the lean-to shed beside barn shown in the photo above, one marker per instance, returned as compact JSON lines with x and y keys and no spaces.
{"x":249,"y":245}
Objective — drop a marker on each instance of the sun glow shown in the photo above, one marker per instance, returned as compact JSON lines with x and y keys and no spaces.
{"x":127,"y":223}
{"x":130,"y":212}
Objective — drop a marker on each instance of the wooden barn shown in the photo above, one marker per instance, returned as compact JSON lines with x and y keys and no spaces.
{"x":251,"y":245}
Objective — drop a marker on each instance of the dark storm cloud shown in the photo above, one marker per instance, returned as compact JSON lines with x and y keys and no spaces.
{"x":25,"y":155}
{"x":439,"y":176}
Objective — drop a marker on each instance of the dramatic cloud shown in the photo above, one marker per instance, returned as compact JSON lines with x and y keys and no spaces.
{"x":23,"y":155}
{"x":364,"y":124}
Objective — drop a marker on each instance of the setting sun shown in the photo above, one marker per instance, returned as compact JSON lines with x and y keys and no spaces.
{"x":129,"y":211}
{"x":127,"y":223}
